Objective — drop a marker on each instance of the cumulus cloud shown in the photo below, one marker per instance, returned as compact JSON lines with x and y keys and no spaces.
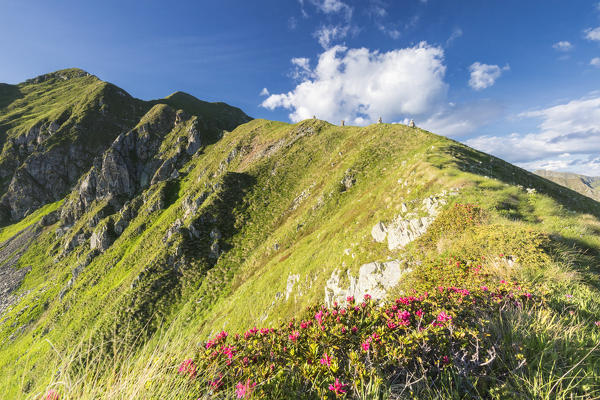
{"x":568,"y":136}
{"x":359,"y":85}
{"x":595,"y":62}
{"x":592,"y":34}
{"x":563,"y":45}
{"x":484,"y":75}
{"x":326,"y":35}
{"x":264,"y":92}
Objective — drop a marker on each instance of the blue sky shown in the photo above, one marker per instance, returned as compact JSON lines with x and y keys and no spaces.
{"x":518,"y":79}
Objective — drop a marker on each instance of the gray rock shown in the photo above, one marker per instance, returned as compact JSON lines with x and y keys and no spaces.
{"x":374,"y":278}
{"x":348,"y":180}
{"x":101,"y":238}
{"x":379,"y":232}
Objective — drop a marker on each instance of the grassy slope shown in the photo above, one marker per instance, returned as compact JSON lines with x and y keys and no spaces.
{"x":268,"y":236}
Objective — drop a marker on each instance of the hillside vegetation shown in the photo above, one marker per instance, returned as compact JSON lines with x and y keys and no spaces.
{"x":204,"y":255}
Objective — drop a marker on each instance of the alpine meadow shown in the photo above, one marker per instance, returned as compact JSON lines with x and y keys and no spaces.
{"x":178,"y":248}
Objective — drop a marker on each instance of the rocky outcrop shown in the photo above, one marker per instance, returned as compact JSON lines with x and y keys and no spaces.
{"x":125,"y":168}
{"x":407,"y":227}
{"x":102,"y":237}
{"x":374,"y":278}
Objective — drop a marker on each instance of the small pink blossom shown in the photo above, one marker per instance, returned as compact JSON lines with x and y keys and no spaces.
{"x":597,"y":323}
{"x":243,"y":390}
{"x":350,"y":299}
{"x":367,"y":297}
{"x":419,"y":313}
{"x":187,"y":367}
{"x":326,"y":360}
{"x":366,"y":345}
{"x":294,"y":336}
{"x":338,"y":387}
{"x":52,"y":395}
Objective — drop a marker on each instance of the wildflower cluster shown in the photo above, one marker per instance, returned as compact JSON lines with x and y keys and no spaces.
{"x":335,"y":352}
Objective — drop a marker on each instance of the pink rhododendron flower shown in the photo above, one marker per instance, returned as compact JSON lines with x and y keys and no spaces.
{"x":404,"y":317}
{"x":367,"y":297}
{"x":419,"y":313}
{"x":338,"y":387}
{"x":391,"y":324}
{"x":445,"y":360}
{"x":366,"y":345}
{"x":443,"y":317}
{"x":350,"y":299}
{"x":221,"y":335}
{"x":294,"y":336}
{"x":52,"y":395}
{"x":243,"y":390}
{"x":217,"y":383}
{"x":187,"y":367}
{"x":319,"y":317}
{"x":484,"y":288}
{"x":597,"y":323}
{"x":326,"y":360}
{"x":303,"y":325}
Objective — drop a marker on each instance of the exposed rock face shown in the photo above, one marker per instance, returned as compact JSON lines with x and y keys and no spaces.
{"x":374,"y":279}
{"x":125,"y":168}
{"x":42,"y":164}
{"x":402,"y":230}
{"x":11,"y":251}
{"x":102,"y":238}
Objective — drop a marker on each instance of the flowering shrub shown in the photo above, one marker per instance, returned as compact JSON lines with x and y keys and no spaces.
{"x":336,"y":352}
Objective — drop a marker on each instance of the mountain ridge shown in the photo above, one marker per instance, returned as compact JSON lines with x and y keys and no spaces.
{"x":587,"y":185}
{"x":180,"y":229}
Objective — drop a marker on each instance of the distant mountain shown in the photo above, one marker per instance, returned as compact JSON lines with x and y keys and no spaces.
{"x":587,"y":185}
{"x":53,"y":127}
{"x":179,"y":249}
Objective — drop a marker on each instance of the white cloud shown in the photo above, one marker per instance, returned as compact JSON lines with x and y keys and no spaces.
{"x":563,"y":45}
{"x":359,"y":85}
{"x":595,"y":62}
{"x":592,"y":34}
{"x":326,"y":35}
{"x":568,"y":137}
{"x":484,"y":75}
{"x":333,"y":7}
{"x":391,"y":32}
{"x":301,"y":69}
{"x":456,"y":33}
{"x":264,"y":92}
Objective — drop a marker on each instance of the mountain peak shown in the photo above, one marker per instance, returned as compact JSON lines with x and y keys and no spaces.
{"x":63,"y":74}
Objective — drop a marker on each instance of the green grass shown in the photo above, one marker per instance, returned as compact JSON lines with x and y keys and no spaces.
{"x":268,"y":234}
